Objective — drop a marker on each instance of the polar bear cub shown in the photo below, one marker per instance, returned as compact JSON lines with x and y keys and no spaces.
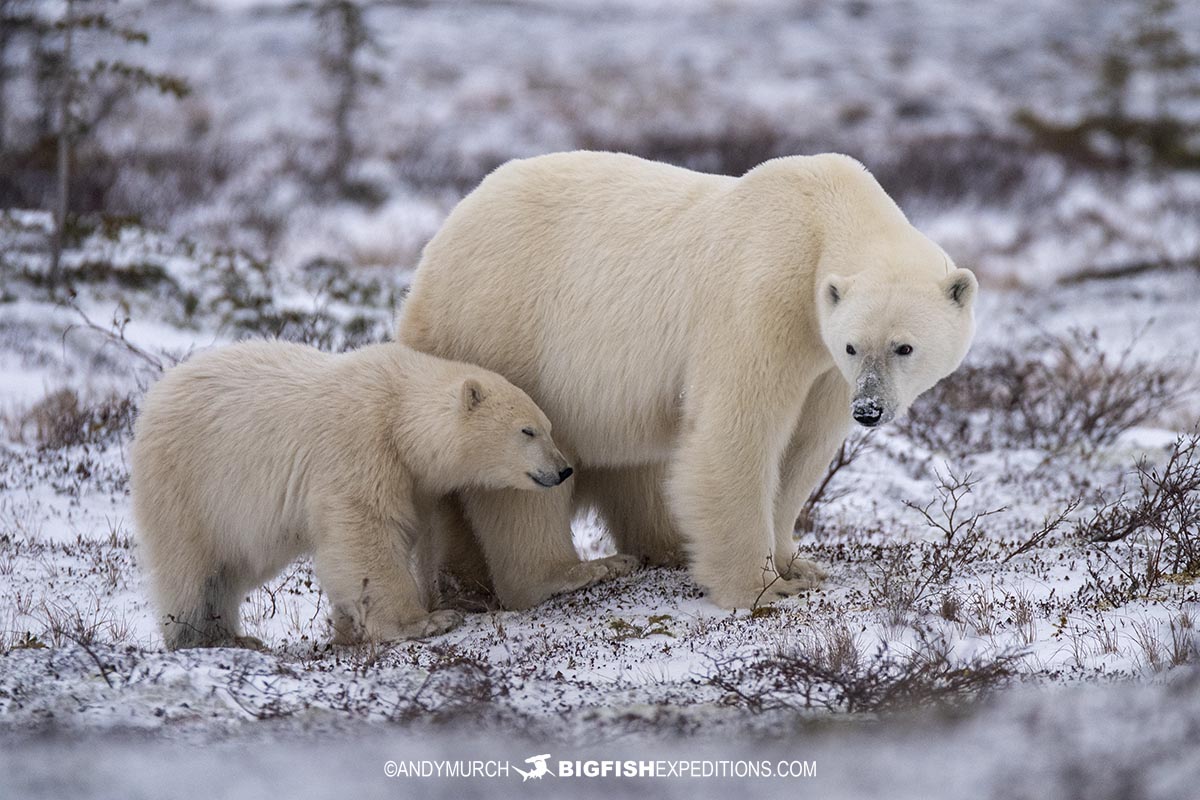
{"x":249,"y":456}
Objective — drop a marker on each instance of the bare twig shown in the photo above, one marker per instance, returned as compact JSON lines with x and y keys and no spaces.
{"x":1049,"y":526}
{"x":104,"y":668}
{"x":1156,"y":531}
{"x":851,"y":449}
{"x":115,"y":334}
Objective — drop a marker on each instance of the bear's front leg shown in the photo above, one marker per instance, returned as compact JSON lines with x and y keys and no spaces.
{"x":722,"y":490}
{"x":822,"y":427}
{"x":454,"y":559}
{"x":798,"y":473}
{"x":363,"y":564}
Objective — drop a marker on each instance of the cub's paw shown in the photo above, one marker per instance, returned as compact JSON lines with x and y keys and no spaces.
{"x":572,"y":577}
{"x":440,"y":622}
{"x":435,"y":624}
{"x":801,"y":569}
{"x":250,"y":643}
{"x":752,"y":597}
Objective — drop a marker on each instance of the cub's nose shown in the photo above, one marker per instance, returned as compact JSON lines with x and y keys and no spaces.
{"x":551,"y":479}
{"x":867,"y":413}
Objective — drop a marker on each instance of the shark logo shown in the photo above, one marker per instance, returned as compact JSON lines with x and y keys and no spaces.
{"x":539,"y":767}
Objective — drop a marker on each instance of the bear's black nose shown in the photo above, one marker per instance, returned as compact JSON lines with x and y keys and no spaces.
{"x":868,"y":418}
{"x":566,"y":473}
{"x":867,"y":412}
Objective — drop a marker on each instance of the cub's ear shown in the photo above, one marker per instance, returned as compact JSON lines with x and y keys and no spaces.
{"x":834,"y":289}
{"x":960,"y":287}
{"x":471,"y":395}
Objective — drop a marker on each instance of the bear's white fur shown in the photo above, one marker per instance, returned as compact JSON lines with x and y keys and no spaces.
{"x":251,"y":455}
{"x":687,"y":335}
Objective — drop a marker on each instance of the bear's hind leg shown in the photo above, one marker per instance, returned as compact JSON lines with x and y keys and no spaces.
{"x":632,"y":503}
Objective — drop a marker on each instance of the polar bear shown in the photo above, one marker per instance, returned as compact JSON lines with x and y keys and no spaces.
{"x":251,"y":455}
{"x":701,"y":343}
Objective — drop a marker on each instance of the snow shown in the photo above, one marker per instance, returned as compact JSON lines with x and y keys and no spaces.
{"x":235,"y":241}
{"x":1127,"y":741}
{"x":632,"y":657}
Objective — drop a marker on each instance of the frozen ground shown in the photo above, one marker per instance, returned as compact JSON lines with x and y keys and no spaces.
{"x":643,"y":658}
{"x":1006,"y":654}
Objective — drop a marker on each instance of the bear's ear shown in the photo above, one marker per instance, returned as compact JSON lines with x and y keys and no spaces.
{"x":471,"y":395}
{"x":960,"y":286}
{"x":834,"y":289}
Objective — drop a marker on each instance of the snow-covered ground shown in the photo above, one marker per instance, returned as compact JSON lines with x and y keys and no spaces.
{"x":977,"y":649}
{"x":642,"y":657}
{"x":1109,"y":744}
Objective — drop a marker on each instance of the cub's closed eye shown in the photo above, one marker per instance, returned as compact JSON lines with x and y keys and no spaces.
{"x":528,"y":432}
{"x":904,"y":350}
{"x":850,"y":350}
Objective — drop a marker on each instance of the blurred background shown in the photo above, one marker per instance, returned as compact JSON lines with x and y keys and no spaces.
{"x":1035,"y":141}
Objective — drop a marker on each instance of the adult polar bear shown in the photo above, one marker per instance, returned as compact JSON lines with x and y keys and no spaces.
{"x":700,"y":343}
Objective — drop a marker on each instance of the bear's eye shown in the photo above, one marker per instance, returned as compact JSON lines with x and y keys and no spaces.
{"x":528,"y":432}
{"x":850,"y":350}
{"x":904,"y":350}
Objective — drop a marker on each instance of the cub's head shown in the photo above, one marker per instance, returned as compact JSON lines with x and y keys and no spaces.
{"x":894,"y":338}
{"x":506,"y":442}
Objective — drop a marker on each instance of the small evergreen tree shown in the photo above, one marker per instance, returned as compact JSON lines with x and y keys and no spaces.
{"x":347,"y":41}
{"x":86,"y":93}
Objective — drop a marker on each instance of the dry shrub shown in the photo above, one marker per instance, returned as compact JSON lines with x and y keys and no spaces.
{"x":954,"y":168}
{"x":949,"y":167}
{"x":820,"y":677}
{"x":455,"y":687}
{"x":1157,"y":524}
{"x":1178,"y":648}
{"x":317,"y":328}
{"x":62,"y":419}
{"x":909,"y":574}
{"x":1068,"y":394}
{"x":731,"y":150}
{"x":88,"y":624}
